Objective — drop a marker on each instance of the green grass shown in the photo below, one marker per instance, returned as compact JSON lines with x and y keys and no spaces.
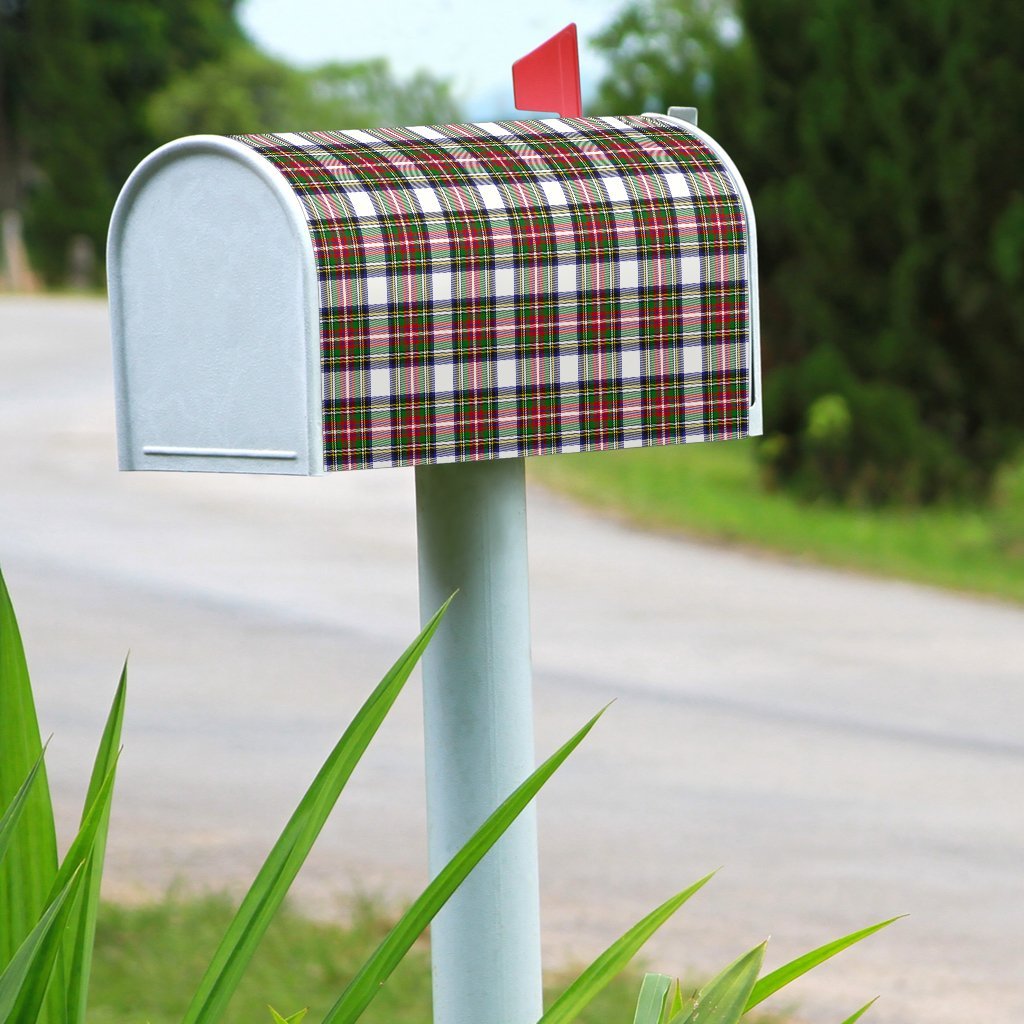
{"x":714,"y":492}
{"x":149,"y":959}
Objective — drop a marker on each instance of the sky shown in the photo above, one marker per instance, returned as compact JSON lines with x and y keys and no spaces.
{"x":471,"y":42}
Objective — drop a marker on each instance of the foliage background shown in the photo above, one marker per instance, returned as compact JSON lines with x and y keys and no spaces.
{"x":880,"y":142}
{"x":89,"y":87}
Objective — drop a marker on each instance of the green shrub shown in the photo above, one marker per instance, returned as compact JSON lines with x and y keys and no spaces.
{"x":835,"y":436}
{"x":1008,"y":508}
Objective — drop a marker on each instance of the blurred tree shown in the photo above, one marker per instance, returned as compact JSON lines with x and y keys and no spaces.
{"x":880,"y":143}
{"x":88,"y":87}
{"x":76,"y":75}
{"x":364,"y":94}
{"x":247,"y":91}
{"x":12,"y":16}
{"x":244,"y":91}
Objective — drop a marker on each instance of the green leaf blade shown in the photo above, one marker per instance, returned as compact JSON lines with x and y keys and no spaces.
{"x":651,"y":1003}
{"x":372,"y":975}
{"x":595,"y":977}
{"x":295,"y":1018}
{"x":29,"y":868}
{"x":82,"y":931}
{"x":854,"y":1017}
{"x":72,"y":867}
{"x":274,"y":879}
{"x":675,"y":1006}
{"x":782,"y":976}
{"x":23,"y":983}
{"x":723,"y":1000}
{"x":11,"y":816}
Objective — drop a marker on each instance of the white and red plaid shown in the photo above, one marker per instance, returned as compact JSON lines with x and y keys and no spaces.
{"x":523,"y":287}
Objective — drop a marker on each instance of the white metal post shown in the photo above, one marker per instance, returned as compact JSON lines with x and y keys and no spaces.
{"x":478,"y":712}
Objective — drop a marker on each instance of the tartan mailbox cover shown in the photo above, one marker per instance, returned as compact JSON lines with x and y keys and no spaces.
{"x":298,"y":303}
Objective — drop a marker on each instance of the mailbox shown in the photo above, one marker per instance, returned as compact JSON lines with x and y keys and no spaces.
{"x":304,"y":302}
{"x":467,"y":294}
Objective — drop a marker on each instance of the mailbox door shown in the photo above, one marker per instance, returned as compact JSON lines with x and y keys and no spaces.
{"x":215,"y":316}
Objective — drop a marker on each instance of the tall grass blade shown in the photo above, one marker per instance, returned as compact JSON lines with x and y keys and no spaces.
{"x":282,"y":864}
{"x":17,"y":805}
{"x":723,"y":1000}
{"x":25,"y":978}
{"x":651,"y":1003}
{"x":372,"y":975}
{"x":81,"y":935}
{"x":595,"y":977}
{"x":73,"y":866}
{"x":675,"y":1006}
{"x":853,"y":1018}
{"x":771,"y":983}
{"x":30,"y":866}
{"x":84,"y":843}
{"x":295,"y":1018}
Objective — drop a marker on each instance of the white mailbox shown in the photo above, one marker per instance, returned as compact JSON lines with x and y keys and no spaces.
{"x":305,"y":302}
{"x":468,"y":294}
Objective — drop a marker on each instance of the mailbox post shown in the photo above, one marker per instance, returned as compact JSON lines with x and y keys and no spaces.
{"x":454,"y":298}
{"x":478,"y":722}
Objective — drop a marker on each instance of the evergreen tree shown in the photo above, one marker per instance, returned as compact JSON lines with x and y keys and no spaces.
{"x":76,"y":77}
{"x":89,"y":87}
{"x":880,"y":143}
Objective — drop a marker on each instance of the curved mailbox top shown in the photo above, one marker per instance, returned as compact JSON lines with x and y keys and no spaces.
{"x":478,"y":291}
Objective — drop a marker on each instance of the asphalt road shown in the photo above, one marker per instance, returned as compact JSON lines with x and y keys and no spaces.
{"x":845,"y":748}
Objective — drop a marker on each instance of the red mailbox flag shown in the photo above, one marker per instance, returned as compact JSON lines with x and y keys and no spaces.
{"x":548,"y":78}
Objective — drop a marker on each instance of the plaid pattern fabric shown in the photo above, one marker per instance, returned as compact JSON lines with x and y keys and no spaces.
{"x":522,"y":287}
